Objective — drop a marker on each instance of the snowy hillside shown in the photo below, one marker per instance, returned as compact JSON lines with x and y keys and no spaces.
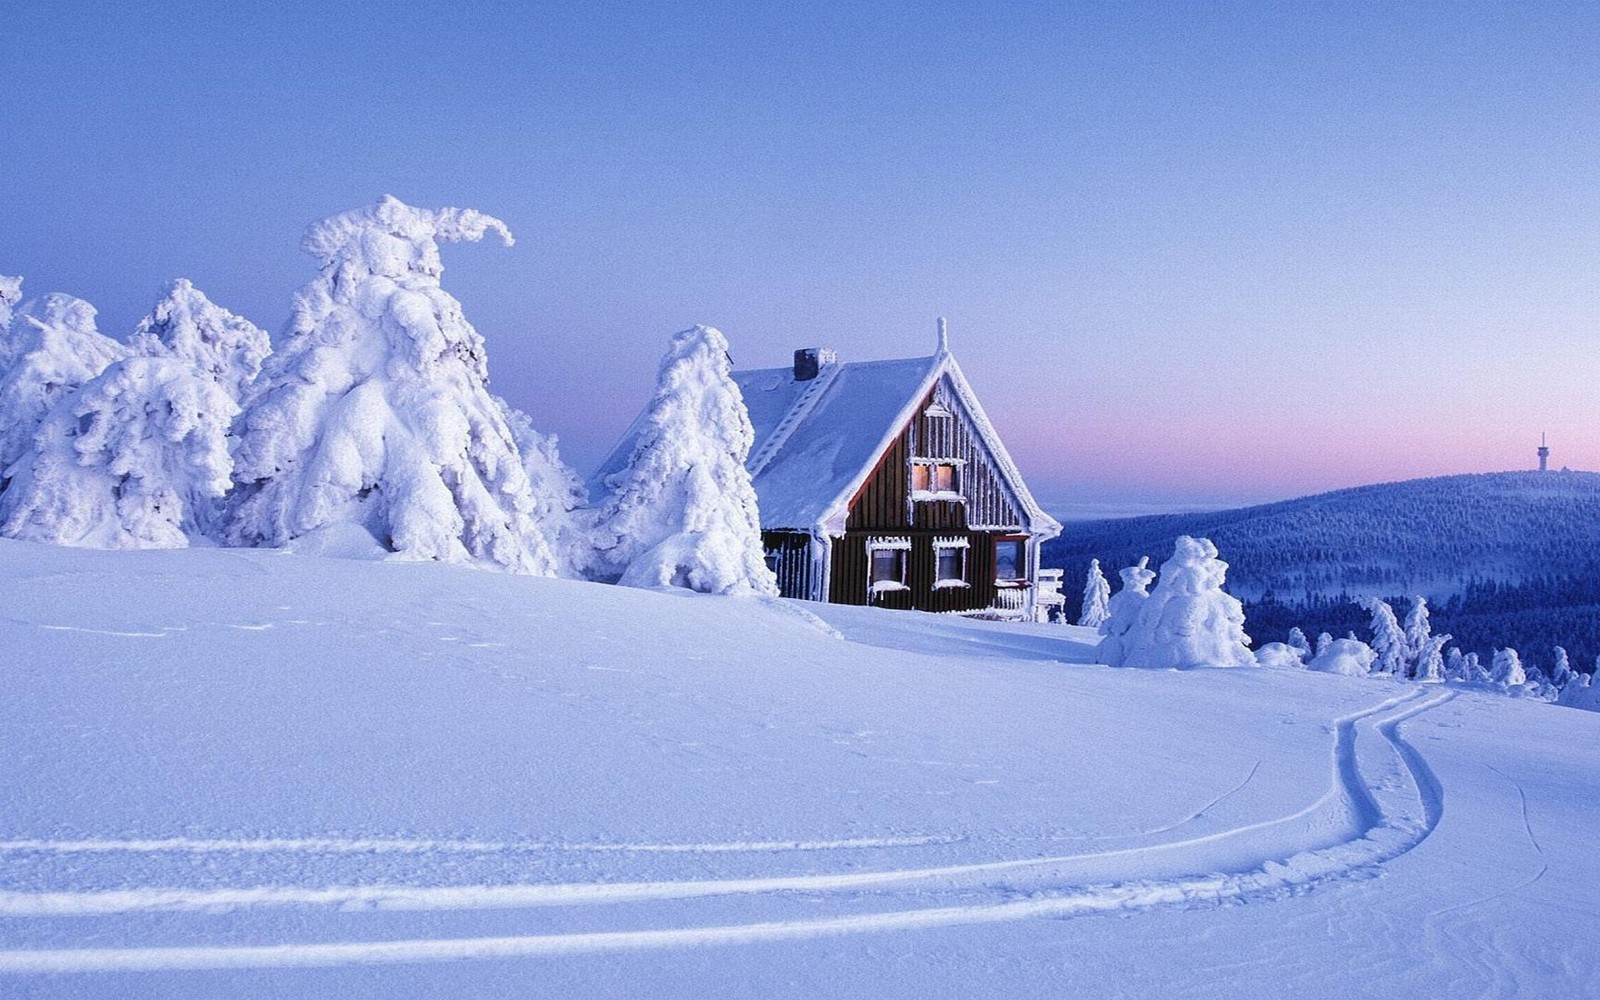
{"x":1518,"y":552}
{"x":249,"y":774}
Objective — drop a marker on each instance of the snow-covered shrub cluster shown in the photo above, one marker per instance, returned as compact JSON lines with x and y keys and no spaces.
{"x":370,"y":428}
{"x":1187,"y":621}
{"x":1412,"y":651}
{"x":683,"y":513}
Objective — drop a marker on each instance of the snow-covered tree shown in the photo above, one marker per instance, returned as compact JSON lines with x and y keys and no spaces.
{"x":1430,"y":660}
{"x":1350,"y":657}
{"x":10,"y":295}
{"x":1096,"y":598}
{"x":1506,"y":670}
{"x":1388,"y":638}
{"x":1561,"y":670}
{"x":376,"y":410}
{"x":1472,"y":671}
{"x":558,"y":493}
{"x":185,"y":324}
{"x":683,"y":512}
{"x":1418,"y":629}
{"x":1455,"y":665}
{"x":1580,"y":691}
{"x":1123,"y":612}
{"x":1324,"y":640}
{"x":127,"y":461}
{"x":1299,"y":642}
{"x":1189,"y":620}
{"x":50,"y":349}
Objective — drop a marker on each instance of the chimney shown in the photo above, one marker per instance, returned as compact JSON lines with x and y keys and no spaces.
{"x":808,"y":362}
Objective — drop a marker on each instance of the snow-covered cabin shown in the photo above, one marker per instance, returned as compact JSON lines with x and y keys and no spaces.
{"x":883,"y":482}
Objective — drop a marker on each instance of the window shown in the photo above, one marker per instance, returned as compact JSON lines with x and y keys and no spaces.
{"x":1010,"y":560}
{"x":886,"y":564}
{"x":949,"y":563}
{"x":935,"y":479}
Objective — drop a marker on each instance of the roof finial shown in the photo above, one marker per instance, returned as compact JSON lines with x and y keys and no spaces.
{"x":944,"y":337}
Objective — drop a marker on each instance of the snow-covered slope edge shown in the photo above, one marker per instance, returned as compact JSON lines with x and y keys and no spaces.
{"x":219,"y":759}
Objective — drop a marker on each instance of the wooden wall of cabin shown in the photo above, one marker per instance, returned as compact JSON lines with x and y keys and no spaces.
{"x":850,"y":574}
{"x":883,"y":504}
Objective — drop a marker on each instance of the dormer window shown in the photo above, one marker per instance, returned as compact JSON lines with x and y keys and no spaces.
{"x":936,"y":479}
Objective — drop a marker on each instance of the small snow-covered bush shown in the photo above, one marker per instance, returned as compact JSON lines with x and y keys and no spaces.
{"x":1281,"y":656}
{"x":1350,"y":657}
{"x":376,"y":409}
{"x":683,"y":512}
{"x":1189,"y":620}
{"x":1123,"y":612}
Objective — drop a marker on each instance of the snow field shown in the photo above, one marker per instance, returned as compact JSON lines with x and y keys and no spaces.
{"x":350,"y":776}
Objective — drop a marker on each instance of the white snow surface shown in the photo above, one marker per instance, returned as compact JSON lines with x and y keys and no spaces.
{"x":375,"y":409}
{"x":247,"y":773}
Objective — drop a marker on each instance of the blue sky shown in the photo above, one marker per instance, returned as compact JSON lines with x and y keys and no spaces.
{"x":1187,"y":255}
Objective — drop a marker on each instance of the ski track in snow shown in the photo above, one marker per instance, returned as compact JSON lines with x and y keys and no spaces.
{"x":1384,"y":819}
{"x":388,"y":845}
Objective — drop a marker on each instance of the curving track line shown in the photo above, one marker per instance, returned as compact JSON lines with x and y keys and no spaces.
{"x":1388,"y":796}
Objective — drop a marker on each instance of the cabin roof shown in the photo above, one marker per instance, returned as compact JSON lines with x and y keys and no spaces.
{"x":817,"y":441}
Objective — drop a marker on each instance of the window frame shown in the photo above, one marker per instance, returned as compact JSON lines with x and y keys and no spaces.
{"x":900,"y":546}
{"x":1023,"y":578}
{"x":960,"y":545}
{"x":929,"y":489}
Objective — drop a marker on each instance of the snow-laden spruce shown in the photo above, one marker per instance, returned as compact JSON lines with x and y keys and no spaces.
{"x":1388,"y":638}
{"x":50,"y":348}
{"x":1189,"y":620}
{"x":1123,"y":611}
{"x":1096,"y":598}
{"x":1506,"y":670}
{"x":376,"y":412}
{"x":1418,"y":630}
{"x":1302,"y":645}
{"x":1430,"y":659}
{"x":683,"y":512}
{"x":559,"y":496}
{"x":130,"y":460}
{"x":186,"y":325}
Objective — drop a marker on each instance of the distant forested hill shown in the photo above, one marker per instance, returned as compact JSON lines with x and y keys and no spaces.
{"x":1506,"y":558}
